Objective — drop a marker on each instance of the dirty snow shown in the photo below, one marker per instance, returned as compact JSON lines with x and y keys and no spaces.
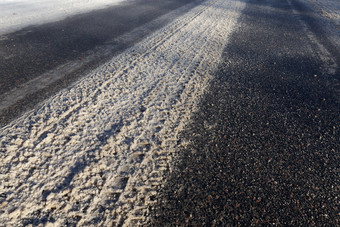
{"x":95,"y":153}
{"x":17,"y":14}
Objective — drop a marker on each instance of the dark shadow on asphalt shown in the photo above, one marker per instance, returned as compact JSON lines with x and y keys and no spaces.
{"x":264,"y":146}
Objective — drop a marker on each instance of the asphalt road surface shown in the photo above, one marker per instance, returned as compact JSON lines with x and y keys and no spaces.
{"x":228,"y":114}
{"x":264,"y":146}
{"x":37,"y":61}
{"x":94,"y":154}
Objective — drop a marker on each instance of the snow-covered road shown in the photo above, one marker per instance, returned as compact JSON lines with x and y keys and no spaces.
{"x":17,"y":14}
{"x":95,"y":153}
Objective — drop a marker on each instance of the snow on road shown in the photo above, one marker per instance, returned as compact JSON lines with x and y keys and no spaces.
{"x":17,"y":14}
{"x":329,"y":9}
{"x":96,"y":152}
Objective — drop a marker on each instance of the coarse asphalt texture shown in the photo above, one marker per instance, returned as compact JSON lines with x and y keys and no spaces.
{"x":264,"y":147}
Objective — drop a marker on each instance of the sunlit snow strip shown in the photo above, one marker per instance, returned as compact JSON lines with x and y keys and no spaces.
{"x":17,"y":14}
{"x":94,"y":154}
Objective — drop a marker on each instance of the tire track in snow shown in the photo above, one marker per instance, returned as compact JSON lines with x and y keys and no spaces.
{"x":95,"y":153}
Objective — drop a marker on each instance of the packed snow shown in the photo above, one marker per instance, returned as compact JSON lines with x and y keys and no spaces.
{"x":17,"y":14}
{"x":95,"y":153}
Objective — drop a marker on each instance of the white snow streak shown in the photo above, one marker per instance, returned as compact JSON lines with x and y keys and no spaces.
{"x":329,"y":9}
{"x":95,"y":153}
{"x":17,"y":14}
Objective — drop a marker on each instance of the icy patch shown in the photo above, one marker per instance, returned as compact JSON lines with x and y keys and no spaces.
{"x":17,"y":14}
{"x":95,"y":154}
